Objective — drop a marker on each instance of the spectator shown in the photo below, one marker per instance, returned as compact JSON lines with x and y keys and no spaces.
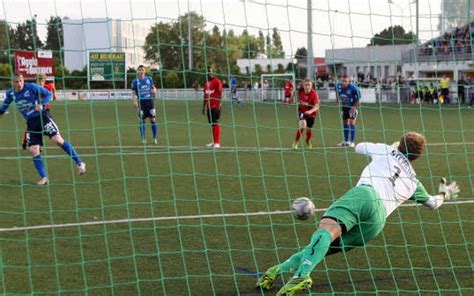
{"x":444,"y":84}
{"x":462,"y":90}
{"x":471,"y":81}
{"x":225,"y":84}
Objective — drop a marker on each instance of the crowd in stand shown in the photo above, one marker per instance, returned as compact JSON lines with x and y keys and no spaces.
{"x":458,"y":41}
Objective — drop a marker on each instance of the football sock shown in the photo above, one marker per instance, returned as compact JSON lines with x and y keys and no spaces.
{"x":39,"y":165}
{"x":346,"y":132}
{"x":353,"y":132}
{"x":298,"y":136}
{"x":291,"y":263}
{"x":142,"y":129}
{"x":153,"y":129}
{"x":216,"y":133}
{"x":309,"y":134}
{"x":314,"y":252}
{"x":67,"y":147}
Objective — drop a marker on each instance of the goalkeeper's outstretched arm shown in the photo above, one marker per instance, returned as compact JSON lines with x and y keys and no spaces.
{"x":445,"y":192}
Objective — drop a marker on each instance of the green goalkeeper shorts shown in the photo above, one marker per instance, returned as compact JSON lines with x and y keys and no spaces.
{"x":362,"y":214}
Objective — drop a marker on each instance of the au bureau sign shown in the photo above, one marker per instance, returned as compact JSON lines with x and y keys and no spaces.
{"x":106,"y":66}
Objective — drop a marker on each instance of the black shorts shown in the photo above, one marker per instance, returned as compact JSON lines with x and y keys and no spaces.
{"x":39,"y":126}
{"x":347,"y":114}
{"x":445,"y":92}
{"x":213,"y":115}
{"x":147,"y":109}
{"x":309,"y":120}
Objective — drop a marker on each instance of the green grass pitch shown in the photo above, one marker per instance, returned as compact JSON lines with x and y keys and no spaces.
{"x":420,"y":251}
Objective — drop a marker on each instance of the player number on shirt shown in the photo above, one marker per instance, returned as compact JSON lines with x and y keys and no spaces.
{"x":396,"y":175}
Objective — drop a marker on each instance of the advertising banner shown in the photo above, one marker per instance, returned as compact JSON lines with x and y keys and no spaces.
{"x":30,"y":65}
{"x":106,"y":66}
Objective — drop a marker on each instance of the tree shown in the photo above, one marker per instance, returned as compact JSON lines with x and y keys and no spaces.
{"x":261,"y":42}
{"x":249,"y":45}
{"x":54,"y":34}
{"x":26,"y":36}
{"x":6,"y":40}
{"x":280,"y":69}
{"x":166,"y":43}
{"x":277,"y":45}
{"x":216,"y":50}
{"x":393,"y":35}
{"x":258,"y":70}
{"x":301,"y":53}
{"x":171,"y":80}
{"x":269,"y":50}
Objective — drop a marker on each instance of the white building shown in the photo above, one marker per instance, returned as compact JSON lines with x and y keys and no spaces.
{"x":381,"y":62}
{"x":104,"y":35}
{"x":247,"y":66}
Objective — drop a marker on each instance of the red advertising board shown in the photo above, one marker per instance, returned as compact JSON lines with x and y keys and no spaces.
{"x":30,"y":65}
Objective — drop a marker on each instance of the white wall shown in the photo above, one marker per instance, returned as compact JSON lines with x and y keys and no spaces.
{"x":103,"y":35}
{"x":81,"y":36}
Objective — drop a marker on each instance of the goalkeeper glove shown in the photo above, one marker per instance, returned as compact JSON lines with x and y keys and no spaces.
{"x":450,"y":191}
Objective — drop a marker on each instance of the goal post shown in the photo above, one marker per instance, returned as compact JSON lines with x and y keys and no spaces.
{"x":272,"y":85}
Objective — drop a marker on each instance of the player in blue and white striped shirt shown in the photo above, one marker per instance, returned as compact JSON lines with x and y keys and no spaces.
{"x":348,"y":95}
{"x":30,"y":99}
{"x":233,"y":90}
{"x":143,"y":95}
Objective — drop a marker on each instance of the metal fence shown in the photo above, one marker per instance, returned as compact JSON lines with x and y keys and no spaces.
{"x":393,"y":95}
{"x":433,"y":55}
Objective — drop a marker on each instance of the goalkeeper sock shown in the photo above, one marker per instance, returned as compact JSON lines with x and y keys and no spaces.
{"x":39,"y":165}
{"x":142,"y":129}
{"x":346,"y":132}
{"x":314,"y":252}
{"x":353,"y":132}
{"x":67,"y":147}
{"x":291,"y":263}
{"x":154,"y":129}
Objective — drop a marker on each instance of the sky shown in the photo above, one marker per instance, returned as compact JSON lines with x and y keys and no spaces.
{"x":336,"y":23}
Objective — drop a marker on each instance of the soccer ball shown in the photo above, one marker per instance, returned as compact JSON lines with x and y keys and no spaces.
{"x":302,"y":208}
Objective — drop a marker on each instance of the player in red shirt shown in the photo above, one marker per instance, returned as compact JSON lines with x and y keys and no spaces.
{"x":308,"y":108}
{"x":49,"y":86}
{"x":212,"y":105}
{"x":288,"y":88}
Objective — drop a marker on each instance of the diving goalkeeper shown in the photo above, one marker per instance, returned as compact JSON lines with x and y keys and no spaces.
{"x":360,"y":214}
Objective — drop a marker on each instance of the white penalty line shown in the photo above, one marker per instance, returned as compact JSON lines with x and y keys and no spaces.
{"x":223,"y":148}
{"x":177,"y":218}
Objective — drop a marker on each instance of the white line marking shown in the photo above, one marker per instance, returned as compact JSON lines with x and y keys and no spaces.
{"x":190,"y":217}
{"x":154,"y":150}
{"x":186,"y":148}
